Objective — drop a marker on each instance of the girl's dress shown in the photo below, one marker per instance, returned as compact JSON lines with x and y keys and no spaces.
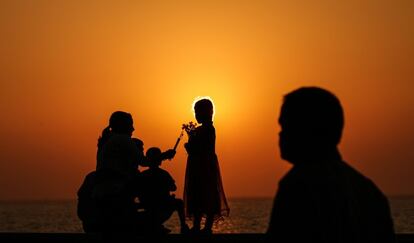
{"x":203,"y":189}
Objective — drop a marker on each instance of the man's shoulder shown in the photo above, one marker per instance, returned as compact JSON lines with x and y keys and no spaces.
{"x":325,"y":173}
{"x":295,"y":176}
{"x":355,"y":175}
{"x":364,"y":183}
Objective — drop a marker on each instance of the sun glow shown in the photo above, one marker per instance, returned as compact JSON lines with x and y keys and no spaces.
{"x":61,"y":80}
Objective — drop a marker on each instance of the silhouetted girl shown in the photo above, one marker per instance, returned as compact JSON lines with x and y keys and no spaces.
{"x":203,"y":191}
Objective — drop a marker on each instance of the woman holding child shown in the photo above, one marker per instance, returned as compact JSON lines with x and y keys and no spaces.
{"x":118,"y":157}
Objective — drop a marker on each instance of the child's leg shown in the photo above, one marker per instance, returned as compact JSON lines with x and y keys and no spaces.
{"x":179,"y":206}
{"x":197,"y":221}
{"x":209,"y":222}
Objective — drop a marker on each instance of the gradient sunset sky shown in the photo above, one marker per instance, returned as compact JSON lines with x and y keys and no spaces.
{"x":67,"y":65}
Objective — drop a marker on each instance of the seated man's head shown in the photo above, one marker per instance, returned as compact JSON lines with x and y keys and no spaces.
{"x":154,"y":156}
{"x":312,"y":121}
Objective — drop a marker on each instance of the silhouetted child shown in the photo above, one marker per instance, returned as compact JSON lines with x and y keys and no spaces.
{"x":155,"y":197}
{"x":203,"y":191}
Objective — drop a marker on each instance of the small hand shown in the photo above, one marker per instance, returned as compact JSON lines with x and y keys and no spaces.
{"x":169,"y":154}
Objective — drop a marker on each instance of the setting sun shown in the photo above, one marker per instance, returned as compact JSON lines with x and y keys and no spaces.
{"x":67,"y":66}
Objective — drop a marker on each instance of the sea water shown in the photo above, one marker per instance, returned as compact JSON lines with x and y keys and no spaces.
{"x":247,"y":215}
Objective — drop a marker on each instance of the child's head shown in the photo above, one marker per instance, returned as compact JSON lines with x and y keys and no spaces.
{"x":154,"y":156}
{"x":140,"y":146}
{"x":138,"y":143}
{"x":204,"y":110}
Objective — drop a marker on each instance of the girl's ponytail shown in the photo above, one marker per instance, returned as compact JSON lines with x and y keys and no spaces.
{"x":106,"y":133}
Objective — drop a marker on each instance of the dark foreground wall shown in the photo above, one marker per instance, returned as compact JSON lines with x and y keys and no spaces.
{"x":172,"y":238}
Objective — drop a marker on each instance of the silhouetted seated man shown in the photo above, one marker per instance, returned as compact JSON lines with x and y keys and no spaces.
{"x":322,"y":198}
{"x":154,"y":194}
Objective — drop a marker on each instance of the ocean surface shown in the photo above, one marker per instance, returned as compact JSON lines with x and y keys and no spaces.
{"x":247,"y":215}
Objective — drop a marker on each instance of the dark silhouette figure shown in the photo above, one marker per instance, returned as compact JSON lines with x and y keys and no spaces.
{"x":109,"y":193}
{"x":322,"y":198}
{"x":87,"y":209}
{"x":155,"y":197}
{"x":203,"y":191}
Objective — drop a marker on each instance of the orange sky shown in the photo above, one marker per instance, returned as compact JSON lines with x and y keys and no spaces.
{"x":66,"y":65}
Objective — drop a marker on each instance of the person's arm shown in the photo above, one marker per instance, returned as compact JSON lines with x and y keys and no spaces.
{"x":141,"y":159}
{"x":171,"y":183}
{"x":188,"y":147}
{"x":293,"y":215}
{"x":385,"y":231}
{"x":192,"y":143}
{"x":388,"y":226}
{"x":138,"y":152}
{"x":169,"y":154}
{"x":279,"y":215}
{"x":173,"y":187}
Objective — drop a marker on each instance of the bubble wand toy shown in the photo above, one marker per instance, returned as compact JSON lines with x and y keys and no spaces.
{"x":179,"y":139}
